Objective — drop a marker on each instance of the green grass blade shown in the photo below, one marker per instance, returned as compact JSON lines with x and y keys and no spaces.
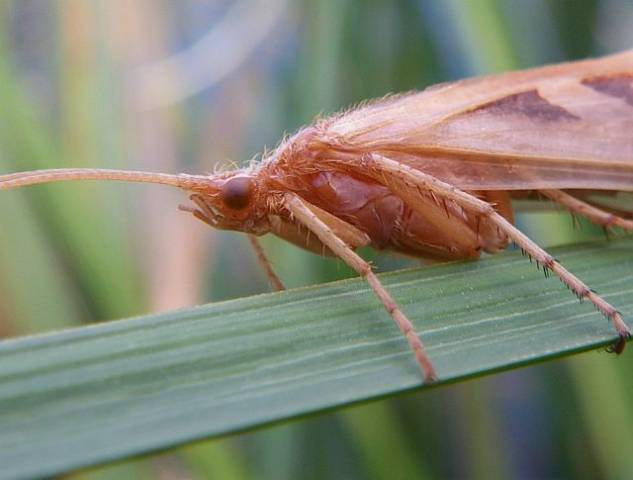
{"x":109,"y":391}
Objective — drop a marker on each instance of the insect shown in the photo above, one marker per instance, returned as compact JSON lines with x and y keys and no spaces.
{"x":430,"y":174}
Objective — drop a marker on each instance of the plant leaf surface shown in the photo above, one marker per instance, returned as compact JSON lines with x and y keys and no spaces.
{"x":91,"y":394}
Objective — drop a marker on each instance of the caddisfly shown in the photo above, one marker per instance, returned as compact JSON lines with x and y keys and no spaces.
{"x":430,"y":174}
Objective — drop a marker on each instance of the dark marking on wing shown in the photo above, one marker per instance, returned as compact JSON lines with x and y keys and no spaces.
{"x":529,"y":104}
{"x":619,"y":86}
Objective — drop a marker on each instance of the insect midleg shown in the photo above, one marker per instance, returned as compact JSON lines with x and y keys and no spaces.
{"x":408,"y":181}
{"x":263,"y":260}
{"x":594,"y":214}
{"x":307,"y":217}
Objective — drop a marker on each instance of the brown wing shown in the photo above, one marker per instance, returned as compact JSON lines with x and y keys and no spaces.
{"x":561,"y":126}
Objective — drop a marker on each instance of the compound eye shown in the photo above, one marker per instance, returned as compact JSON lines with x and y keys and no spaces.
{"x":236,"y":193}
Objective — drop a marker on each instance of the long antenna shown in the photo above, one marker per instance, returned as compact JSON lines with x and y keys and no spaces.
{"x":23,"y":179}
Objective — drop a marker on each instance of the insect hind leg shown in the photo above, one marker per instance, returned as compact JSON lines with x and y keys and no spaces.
{"x":592,"y":213}
{"x":408,"y":182}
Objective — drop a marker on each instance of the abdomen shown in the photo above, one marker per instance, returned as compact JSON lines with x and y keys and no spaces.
{"x":431,"y":230}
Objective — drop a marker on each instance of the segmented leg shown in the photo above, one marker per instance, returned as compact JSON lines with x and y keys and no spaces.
{"x":274,"y":280}
{"x":594,"y":214}
{"x":408,"y":182}
{"x":310,"y":220}
{"x":204,"y":213}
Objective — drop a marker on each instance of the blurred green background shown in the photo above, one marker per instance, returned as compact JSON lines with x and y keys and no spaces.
{"x":190,"y":85}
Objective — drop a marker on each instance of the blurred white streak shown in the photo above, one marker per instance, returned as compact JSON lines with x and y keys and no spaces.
{"x":171,"y":244}
{"x":211,"y":59}
{"x":614,"y":26}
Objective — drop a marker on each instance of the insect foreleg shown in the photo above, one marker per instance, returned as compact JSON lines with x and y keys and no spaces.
{"x":203,"y":212}
{"x":408,"y":182}
{"x":274,"y":280}
{"x":594,"y":214}
{"x":304,"y":214}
